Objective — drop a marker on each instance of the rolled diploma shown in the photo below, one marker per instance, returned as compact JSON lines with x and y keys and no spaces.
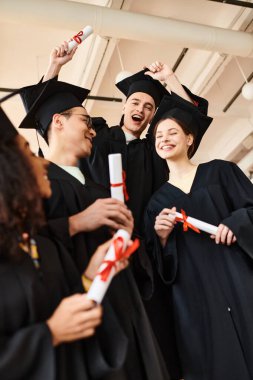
{"x":98,"y":287}
{"x":79,"y":37}
{"x":116,"y":178}
{"x":203,"y":226}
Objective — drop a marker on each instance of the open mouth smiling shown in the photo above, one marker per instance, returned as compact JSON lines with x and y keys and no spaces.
{"x":136,"y":117}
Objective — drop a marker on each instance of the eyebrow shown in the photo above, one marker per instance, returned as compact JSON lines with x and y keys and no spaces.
{"x":138,"y":100}
{"x":167,"y":130}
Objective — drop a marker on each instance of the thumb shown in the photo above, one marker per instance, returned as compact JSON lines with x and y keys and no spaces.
{"x":152,"y":75}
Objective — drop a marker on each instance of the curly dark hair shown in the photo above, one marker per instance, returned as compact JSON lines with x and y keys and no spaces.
{"x":20,"y":200}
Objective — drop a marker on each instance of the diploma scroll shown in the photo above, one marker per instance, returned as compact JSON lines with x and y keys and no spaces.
{"x":196,"y":223}
{"x":106,"y":271}
{"x":79,"y":37}
{"x":116,"y":176}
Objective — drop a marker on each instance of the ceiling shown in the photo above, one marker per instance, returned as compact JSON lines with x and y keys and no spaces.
{"x":206,"y":42}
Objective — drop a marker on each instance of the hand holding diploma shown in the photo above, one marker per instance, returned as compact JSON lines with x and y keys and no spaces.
{"x":119,"y":249}
{"x":117,"y":252}
{"x":63,"y":53}
{"x":221,"y":234}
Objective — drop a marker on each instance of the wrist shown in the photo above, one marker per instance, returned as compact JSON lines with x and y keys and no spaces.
{"x":168,"y":77}
{"x":73,"y":225}
{"x":52,"y":71}
{"x":55,"y":341}
{"x":163,"y":241}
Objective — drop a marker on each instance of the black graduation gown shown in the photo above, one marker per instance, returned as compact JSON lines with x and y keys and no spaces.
{"x":28,"y":297}
{"x":211,"y":285}
{"x":145,"y":170}
{"x":143,"y":360}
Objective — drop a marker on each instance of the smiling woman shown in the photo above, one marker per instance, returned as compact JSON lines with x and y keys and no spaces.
{"x":209,"y":279}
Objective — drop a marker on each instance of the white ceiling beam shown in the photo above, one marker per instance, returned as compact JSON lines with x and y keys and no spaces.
{"x":127,"y":25}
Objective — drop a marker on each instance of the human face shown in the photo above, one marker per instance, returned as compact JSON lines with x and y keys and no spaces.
{"x":78,"y":131}
{"x":39,"y":167}
{"x":138,"y":111}
{"x":170,"y":140}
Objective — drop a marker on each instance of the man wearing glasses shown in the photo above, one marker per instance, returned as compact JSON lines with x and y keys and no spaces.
{"x":81,"y":209}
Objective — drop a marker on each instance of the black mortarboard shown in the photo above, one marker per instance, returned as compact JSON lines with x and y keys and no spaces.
{"x":200,"y":102}
{"x":140,"y":82}
{"x":99,"y":123}
{"x":7,"y":129}
{"x":45,"y":99}
{"x":174,"y":107}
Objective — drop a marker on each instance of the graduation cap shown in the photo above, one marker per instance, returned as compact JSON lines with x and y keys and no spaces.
{"x":174,"y":107}
{"x":7,"y":129}
{"x":45,"y":99}
{"x":140,"y":82}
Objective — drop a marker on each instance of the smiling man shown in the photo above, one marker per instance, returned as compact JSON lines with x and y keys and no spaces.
{"x":145,"y":171}
{"x":55,"y":110}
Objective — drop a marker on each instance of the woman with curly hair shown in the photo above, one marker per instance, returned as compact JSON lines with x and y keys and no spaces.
{"x":43,"y":314}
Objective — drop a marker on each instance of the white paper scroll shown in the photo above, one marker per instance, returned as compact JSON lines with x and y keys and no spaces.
{"x":79,"y":37}
{"x":116,"y":176}
{"x":203,"y":226}
{"x":99,"y":287}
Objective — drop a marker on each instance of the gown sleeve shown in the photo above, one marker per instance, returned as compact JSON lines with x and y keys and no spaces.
{"x":165,"y":259}
{"x":36,"y":362}
{"x":239,"y":190}
{"x":57,"y":224}
{"x":142,"y":270}
{"x":96,"y":165}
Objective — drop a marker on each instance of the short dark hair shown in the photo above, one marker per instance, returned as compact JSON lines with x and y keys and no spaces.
{"x":20,"y":199}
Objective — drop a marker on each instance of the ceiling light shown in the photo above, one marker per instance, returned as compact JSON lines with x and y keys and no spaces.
{"x":123,"y":74}
{"x":247,"y":89}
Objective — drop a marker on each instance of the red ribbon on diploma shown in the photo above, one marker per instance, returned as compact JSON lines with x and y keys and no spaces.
{"x":119,"y":255}
{"x":77,"y":37}
{"x":126,"y":196}
{"x":186,"y":224}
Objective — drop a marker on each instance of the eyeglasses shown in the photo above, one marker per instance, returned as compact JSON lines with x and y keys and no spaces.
{"x":87,"y":118}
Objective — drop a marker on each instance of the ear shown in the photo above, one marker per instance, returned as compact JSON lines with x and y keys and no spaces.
{"x":189,"y":140}
{"x":57,"y":121}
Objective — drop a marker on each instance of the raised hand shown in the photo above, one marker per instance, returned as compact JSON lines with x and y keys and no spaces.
{"x":59,"y":56}
{"x":159,"y":71}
